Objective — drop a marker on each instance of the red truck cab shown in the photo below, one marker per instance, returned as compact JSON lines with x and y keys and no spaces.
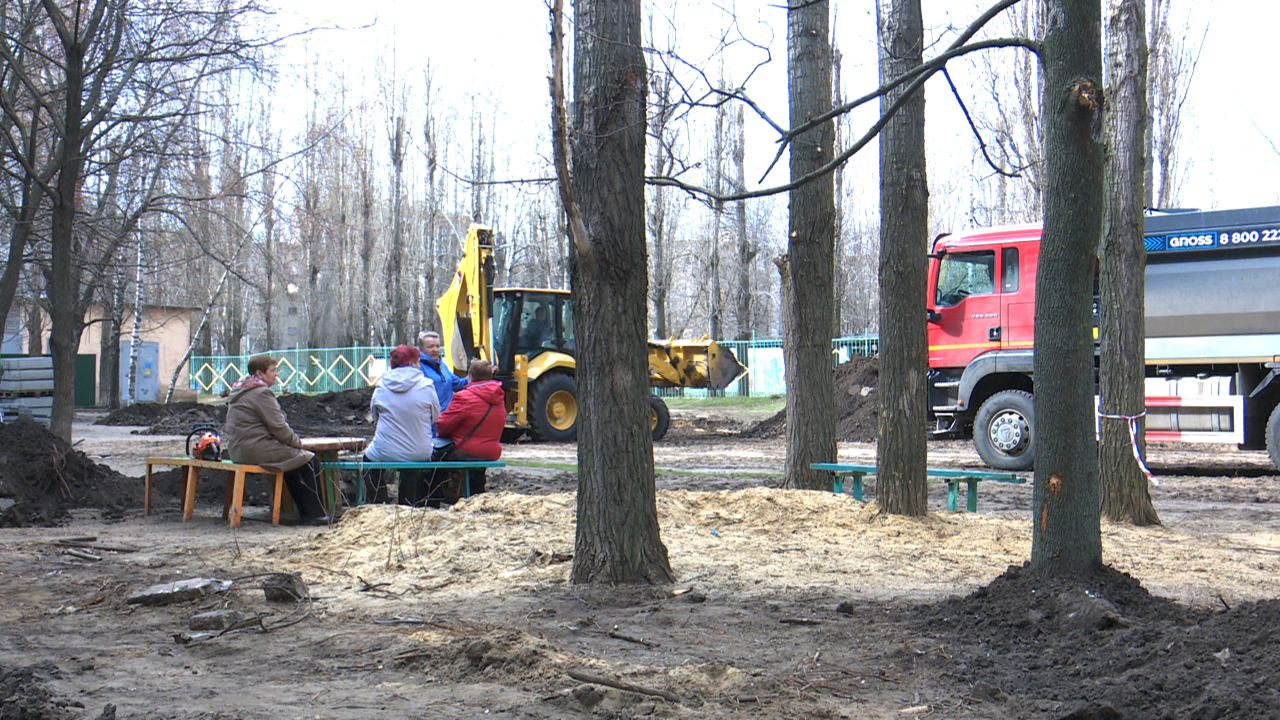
{"x":982,"y":293}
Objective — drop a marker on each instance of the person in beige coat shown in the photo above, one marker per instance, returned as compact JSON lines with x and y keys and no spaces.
{"x":255,"y":432}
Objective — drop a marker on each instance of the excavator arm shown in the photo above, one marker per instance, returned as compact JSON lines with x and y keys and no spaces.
{"x":466,"y":307}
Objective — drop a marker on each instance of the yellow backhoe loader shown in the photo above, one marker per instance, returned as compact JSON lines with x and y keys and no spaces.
{"x":529,"y":335}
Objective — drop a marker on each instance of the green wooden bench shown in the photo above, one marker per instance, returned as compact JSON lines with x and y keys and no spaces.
{"x":856,"y":473}
{"x":358,"y":465}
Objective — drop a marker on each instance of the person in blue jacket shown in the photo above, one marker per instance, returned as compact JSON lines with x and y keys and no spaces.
{"x":435,"y":369}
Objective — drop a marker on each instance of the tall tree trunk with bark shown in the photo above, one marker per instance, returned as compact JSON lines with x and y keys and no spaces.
{"x":904,"y":235}
{"x":109,"y":342}
{"x":269,"y":251}
{"x":1125,"y":494}
{"x":1066,"y":534}
{"x":63,"y":278}
{"x":399,"y":320}
{"x":746,"y":249}
{"x":810,"y":266}
{"x":618,"y":539}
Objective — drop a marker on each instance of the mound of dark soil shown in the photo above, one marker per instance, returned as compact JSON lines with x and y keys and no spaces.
{"x":331,"y":414}
{"x":42,"y":478}
{"x":27,"y":697}
{"x":1101,"y":646}
{"x":338,"y":413}
{"x":152,"y":413}
{"x":857,"y":411}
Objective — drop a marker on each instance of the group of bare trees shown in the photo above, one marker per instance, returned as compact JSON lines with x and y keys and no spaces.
{"x":101,"y":101}
{"x":1067,"y":160}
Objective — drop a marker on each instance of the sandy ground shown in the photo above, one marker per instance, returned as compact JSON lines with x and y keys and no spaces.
{"x":467,"y":612}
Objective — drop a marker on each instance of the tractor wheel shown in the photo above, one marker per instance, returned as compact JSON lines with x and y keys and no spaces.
{"x":1273,"y":436}
{"x":1003,"y":431}
{"x":553,"y":414}
{"x":659,"y":417}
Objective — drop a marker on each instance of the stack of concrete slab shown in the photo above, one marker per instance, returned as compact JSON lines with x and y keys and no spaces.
{"x":26,"y":388}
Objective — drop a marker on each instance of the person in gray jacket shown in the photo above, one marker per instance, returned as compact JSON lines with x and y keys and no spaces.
{"x":404,"y":406}
{"x":256,"y":433}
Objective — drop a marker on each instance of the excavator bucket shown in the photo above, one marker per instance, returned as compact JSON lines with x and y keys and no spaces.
{"x":693,"y":363}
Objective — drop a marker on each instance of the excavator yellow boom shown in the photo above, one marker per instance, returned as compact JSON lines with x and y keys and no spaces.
{"x":466,"y":307}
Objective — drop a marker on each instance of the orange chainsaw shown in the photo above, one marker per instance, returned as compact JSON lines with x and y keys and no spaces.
{"x":208,"y":444}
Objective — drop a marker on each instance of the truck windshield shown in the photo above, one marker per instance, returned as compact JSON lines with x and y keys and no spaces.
{"x":963,"y":274}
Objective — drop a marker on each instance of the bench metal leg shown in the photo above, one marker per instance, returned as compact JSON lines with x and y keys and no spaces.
{"x":973,"y":494}
{"x":953,"y":489}
{"x":855,"y":480}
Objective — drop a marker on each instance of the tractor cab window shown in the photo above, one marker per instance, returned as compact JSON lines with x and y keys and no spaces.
{"x":504,"y":315}
{"x":963,"y":274}
{"x":566,"y":322}
{"x":537,"y":324}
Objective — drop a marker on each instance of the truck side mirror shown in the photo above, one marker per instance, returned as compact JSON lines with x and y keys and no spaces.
{"x":933,"y":316}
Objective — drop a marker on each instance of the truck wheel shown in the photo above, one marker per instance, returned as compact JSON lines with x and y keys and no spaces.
{"x":1003,"y":431}
{"x":553,"y":414}
{"x":1273,"y":436}
{"x":659,"y":417}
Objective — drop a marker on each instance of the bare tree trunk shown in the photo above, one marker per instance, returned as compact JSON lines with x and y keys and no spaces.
{"x":660,"y":225}
{"x":715,"y":301}
{"x":810,"y":262}
{"x":747,"y":250}
{"x":35,"y":328}
{"x":367,"y":240}
{"x":1125,"y":495}
{"x":618,"y":539}
{"x":134,"y":332}
{"x":902,"y":486}
{"x":1066,"y":535}
{"x":109,"y":343}
{"x":1172,"y":65}
{"x":268,"y":253}
{"x":399,"y":329}
{"x":63,"y":278}
{"x":842,"y":272}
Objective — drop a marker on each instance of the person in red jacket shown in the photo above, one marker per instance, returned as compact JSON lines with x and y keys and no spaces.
{"x":473,"y":421}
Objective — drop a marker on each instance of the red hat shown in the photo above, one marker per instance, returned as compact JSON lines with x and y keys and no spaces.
{"x":405,"y":355}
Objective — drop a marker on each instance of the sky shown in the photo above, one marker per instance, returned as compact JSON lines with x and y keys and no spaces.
{"x":497,"y":51}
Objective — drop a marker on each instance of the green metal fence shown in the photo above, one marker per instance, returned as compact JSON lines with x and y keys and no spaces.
{"x":301,"y":371}
{"x":333,"y":369}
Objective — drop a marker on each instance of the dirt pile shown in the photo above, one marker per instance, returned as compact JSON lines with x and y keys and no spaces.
{"x":42,"y":478}
{"x":1103,"y":644}
{"x":27,"y":697}
{"x":330,"y":414}
{"x":337,"y":413}
{"x":857,"y":412}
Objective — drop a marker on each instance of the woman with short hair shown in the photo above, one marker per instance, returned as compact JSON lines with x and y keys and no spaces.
{"x":256,"y":433}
